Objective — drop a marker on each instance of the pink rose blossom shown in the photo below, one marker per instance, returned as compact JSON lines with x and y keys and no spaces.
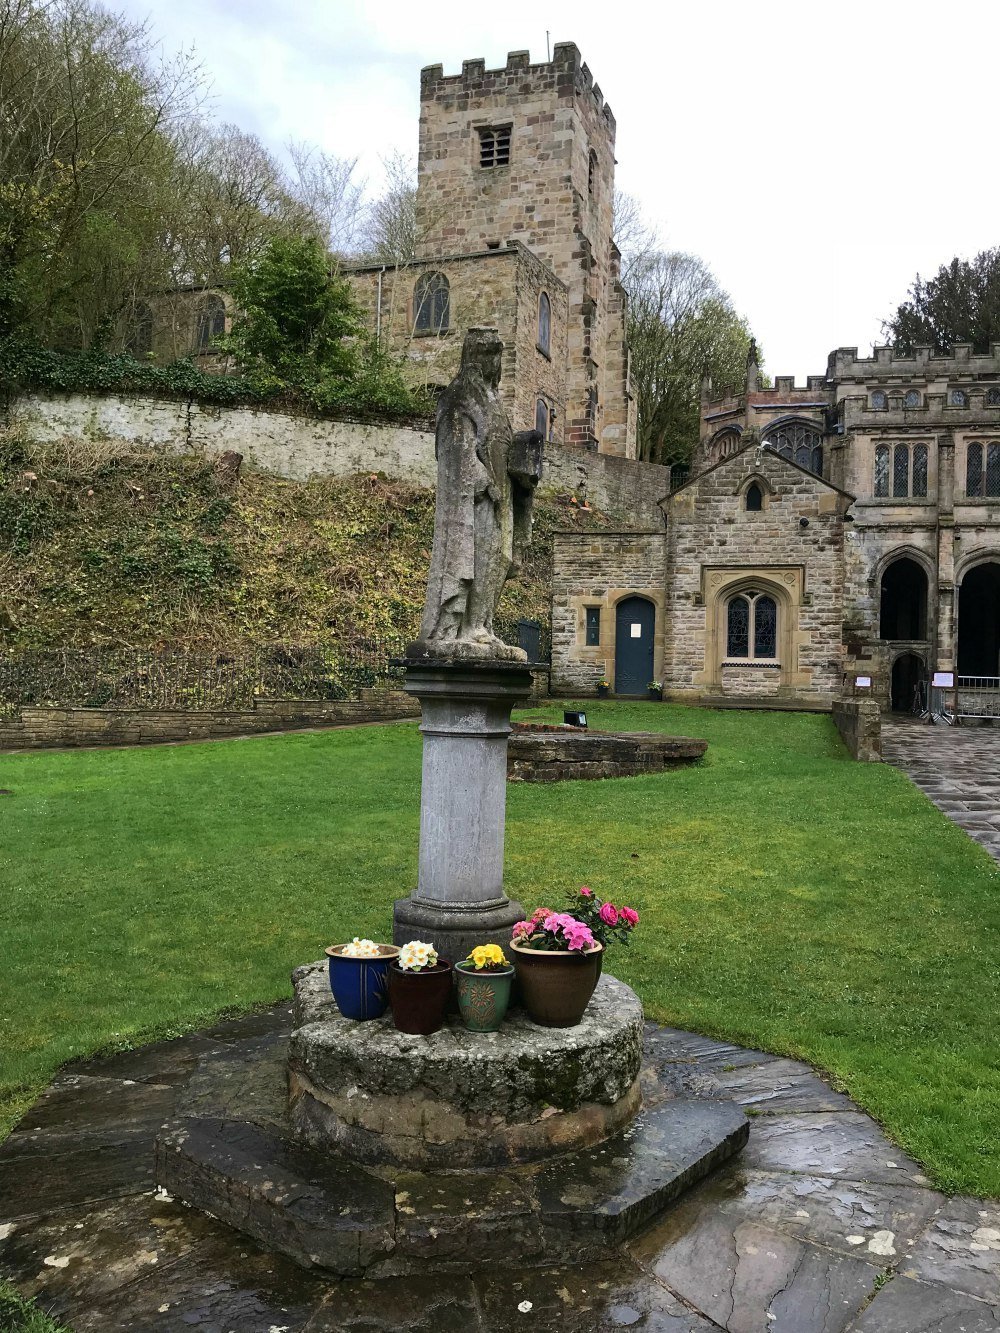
{"x":631,"y":916}
{"x":586,"y":893}
{"x":609,"y":914}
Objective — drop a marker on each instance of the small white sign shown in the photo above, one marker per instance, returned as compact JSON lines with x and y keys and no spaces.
{"x":636,"y":631}
{"x":944,"y":680}
{"x":863,"y":682}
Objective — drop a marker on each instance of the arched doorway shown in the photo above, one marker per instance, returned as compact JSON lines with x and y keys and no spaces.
{"x":907,"y":676}
{"x":635,"y":627}
{"x":903,"y":602}
{"x":979,"y":621}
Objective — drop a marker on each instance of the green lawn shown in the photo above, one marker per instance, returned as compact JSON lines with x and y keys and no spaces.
{"x":791,"y":899}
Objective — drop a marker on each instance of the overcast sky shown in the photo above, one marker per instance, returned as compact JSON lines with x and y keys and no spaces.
{"x":816,"y":155}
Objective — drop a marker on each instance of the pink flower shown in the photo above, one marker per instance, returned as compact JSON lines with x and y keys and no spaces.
{"x":586,"y":893}
{"x":540,"y":912}
{"x":631,"y":916}
{"x":609,"y":914}
{"x":579,"y":936}
{"x":522,"y":928}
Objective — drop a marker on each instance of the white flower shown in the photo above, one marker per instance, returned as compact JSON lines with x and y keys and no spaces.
{"x":361,"y":949}
{"x":417,"y":955}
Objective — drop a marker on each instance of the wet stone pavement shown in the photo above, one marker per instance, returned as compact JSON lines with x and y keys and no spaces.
{"x":958,"y":768}
{"x":819,"y":1226}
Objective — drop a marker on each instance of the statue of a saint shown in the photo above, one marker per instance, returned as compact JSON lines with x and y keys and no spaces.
{"x":486,"y":477}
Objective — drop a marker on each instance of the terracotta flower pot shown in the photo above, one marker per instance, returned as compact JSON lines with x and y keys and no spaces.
{"x":360,"y":985}
{"x":483,"y":996}
{"x":419,"y":1000}
{"x":556,"y":986}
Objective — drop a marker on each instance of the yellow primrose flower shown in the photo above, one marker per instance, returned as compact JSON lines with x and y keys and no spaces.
{"x":487,"y":955}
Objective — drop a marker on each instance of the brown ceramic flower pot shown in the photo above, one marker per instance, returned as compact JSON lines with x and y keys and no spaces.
{"x":419,"y":1000}
{"x":556,"y":986}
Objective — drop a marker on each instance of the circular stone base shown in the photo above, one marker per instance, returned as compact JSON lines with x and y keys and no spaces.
{"x":459,"y":1098}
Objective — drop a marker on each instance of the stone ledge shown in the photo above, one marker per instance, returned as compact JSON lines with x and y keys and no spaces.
{"x":552,"y":754}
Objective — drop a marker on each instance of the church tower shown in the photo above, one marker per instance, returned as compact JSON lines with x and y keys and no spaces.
{"x":527,"y":154}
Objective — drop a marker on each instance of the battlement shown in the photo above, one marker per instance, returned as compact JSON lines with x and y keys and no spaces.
{"x":962,"y":363}
{"x":565,"y":74}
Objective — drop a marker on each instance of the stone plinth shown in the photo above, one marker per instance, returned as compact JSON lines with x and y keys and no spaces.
{"x":459,"y":1098}
{"x":459,"y":901}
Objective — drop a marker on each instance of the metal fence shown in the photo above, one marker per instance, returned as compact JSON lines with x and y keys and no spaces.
{"x":978,"y":696}
{"x":204,"y":681}
{"x":215,"y":680}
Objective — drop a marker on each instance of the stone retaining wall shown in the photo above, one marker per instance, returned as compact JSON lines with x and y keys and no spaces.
{"x":859,"y":722}
{"x":556,"y":754}
{"x":57,"y":728}
{"x":300,"y":447}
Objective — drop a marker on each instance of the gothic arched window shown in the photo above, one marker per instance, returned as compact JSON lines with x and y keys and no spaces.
{"x":912,"y":398}
{"x":431,"y":305}
{"x":980,"y":480}
{"x":542,"y":418}
{"x":880,"y":400}
{"x":726,"y":443}
{"x":139,"y":336}
{"x":799,"y":442}
{"x":211,"y":322}
{"x":754,"y":497}
{"x":752,"y":626}
{"x":544,"y":323}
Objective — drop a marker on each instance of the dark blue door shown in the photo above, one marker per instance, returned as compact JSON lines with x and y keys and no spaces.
{"x":635,"y":623}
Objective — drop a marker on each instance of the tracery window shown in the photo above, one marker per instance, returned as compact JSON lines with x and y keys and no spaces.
{"x":494,"y":146}
{"x":752,"y":626}
{"x":544,"y":323}
{"x":912,"y":398}
{"x":799,"y":442}
{"x":211,"y":323}
{"x":139,"y":338}
{"x":980,"y":480}
{"x":431,"y":303}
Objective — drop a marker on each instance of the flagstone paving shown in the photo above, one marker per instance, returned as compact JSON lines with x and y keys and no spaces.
{"x":957,"y":767}
{"x":820,"y":1226}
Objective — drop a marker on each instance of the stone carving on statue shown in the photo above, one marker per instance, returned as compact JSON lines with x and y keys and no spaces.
{"x":486,"y":479}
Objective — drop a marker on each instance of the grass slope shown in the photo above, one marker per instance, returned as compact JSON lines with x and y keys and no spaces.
{"x":103,"y":543}
{"x":791,"y":900}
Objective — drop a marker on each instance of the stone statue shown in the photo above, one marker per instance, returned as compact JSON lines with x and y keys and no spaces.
{"x":486,"y":478}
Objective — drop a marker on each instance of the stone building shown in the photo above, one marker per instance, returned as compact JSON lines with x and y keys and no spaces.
{"x":184,"y":322}
{"x":848,"y":528}
{"x":514,"y":217}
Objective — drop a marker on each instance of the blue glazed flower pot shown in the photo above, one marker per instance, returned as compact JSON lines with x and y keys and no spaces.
{"x":360,"y":985}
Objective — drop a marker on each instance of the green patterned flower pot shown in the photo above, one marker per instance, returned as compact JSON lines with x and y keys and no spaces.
{"x":483,"y":996}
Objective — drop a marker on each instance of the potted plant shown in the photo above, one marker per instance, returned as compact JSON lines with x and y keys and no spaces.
{"x":655,"y":689}
{"x":608,"y":924}
{"x":359,"y":977}
{"x":603,"y":687}
{"x":419,"y":989}
{"x":483,"y":983}
{"x":557,"y":961}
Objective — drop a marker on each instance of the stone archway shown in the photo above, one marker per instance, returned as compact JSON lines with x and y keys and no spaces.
{"x":908,"y":673}
{"x":903,"y":601}
{"x":979,"y":621}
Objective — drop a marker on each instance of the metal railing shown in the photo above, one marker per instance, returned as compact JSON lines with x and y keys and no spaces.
{"x":978,"y":696}
{"x":197,"y":681}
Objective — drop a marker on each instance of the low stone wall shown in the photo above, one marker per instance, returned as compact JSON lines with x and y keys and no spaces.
{"x":538,"y":753}
{"x":58,"y":728}
{"x":300,"y":447}
{"x":859,"y":722}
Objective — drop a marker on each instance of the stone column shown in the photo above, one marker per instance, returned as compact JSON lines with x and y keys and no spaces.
{"x":459,"y":901}
{"x":945,"y":646}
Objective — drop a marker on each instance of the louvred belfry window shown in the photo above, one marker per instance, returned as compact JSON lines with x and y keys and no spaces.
{"x":494,"y":146}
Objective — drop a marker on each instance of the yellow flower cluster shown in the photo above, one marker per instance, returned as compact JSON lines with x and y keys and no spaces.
{"x":487,"y":955}
{"x":361,"y":949}
{"x":417,"y":955}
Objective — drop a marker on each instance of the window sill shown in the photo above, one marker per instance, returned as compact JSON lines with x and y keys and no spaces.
{"x":757,"y":663}
{"x":433,"y":333}
{"x":540,"y":348}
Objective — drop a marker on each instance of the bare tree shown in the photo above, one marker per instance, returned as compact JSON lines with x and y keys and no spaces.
{"x":325,"y":186}
{"x":391,"y":234}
